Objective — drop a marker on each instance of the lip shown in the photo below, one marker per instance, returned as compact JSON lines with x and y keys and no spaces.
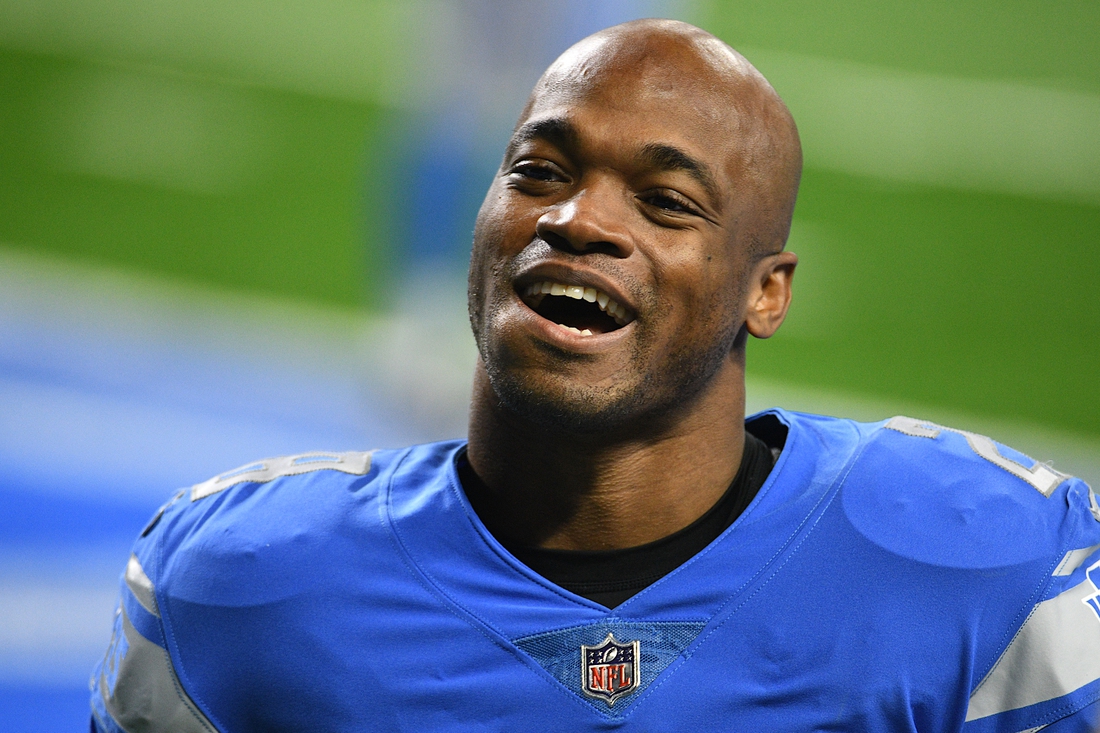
{"x":567,"y":275}
{"x":550,"y":332}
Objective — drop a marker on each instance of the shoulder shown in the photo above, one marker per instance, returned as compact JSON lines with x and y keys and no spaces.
{"x":242,"y":563}
{"x":938,"y":495}
{"x":253,"y":527}
{"x":955,"y":498}
{"x":1013,"y":542}
{"x":963,"y":452}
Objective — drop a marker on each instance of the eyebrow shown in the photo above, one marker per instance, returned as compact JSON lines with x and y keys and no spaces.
{"x":671,"y":158}
{"x":554,"y":130}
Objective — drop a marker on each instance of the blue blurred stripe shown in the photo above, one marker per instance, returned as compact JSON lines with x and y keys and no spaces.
{"x":31,"y":520}
{"x":44,"y":709}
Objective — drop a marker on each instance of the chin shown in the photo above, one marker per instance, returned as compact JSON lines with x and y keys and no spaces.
{"x":642,"y":399}
{"x":572,"y":408}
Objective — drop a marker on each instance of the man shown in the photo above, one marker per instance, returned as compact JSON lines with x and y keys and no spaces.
{"x":615,"y":547}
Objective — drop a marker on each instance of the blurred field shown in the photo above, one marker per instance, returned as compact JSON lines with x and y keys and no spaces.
{"x":950,"y":209}
{"x":239,"y":229}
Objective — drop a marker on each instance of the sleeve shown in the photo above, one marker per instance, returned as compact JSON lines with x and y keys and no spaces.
{"x":1048,"y":676}
{"x":135,"y":686}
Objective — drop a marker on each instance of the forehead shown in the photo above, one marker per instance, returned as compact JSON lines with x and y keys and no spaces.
{"x":637,"y":101}
{"x":685,"y":90}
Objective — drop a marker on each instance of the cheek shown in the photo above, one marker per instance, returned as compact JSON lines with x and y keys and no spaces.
{"x":489,"y":236}
{"x":702,"y":291}
{"x":501,"y":230}
{"x":486,"y":228}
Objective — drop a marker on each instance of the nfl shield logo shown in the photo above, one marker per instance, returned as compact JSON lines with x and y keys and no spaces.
{"x":610,"y":670}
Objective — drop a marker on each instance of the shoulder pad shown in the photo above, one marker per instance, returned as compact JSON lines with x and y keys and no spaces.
{"x":957,"y":499}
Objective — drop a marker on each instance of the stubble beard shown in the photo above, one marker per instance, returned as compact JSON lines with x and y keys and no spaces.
{"x":640,"y":405}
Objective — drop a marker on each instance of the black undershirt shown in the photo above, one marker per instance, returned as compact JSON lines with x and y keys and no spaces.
{"x":611,"y":577}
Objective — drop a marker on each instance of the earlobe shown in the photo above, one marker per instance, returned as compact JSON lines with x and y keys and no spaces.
{"x":771,"y":294}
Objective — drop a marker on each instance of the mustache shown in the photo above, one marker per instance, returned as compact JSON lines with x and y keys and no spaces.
{"x":609,"y":266}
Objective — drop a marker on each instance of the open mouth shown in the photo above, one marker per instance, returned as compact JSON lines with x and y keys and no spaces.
{"x":585,"y":310}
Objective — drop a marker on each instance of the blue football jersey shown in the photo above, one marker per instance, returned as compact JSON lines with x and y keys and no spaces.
{"x":896,"y":576}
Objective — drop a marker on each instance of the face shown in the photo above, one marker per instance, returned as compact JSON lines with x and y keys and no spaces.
{"x":611,"y":268}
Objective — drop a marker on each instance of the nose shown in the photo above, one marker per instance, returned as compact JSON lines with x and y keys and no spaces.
{"x":594,"y":219}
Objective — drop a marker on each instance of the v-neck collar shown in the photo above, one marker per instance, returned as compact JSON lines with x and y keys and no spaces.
{"x":448,"y":546}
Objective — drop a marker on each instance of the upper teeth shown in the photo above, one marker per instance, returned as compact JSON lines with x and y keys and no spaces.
{"x":578,"y":292}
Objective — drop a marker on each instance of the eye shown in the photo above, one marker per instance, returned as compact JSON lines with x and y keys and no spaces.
{"x":534,"y":175}
{"x":669,"y":202}
{"x":535,"y":172}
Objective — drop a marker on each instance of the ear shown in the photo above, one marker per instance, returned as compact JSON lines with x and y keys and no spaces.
{"x":770,"y":294}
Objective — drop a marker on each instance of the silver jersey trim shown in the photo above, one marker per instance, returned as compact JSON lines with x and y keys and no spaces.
{"x":269,"y":469}
{"x":1056,"y":651}
{"x":1073,"y":560}
{"x":147,"y":696}
{"x":140,"y":585}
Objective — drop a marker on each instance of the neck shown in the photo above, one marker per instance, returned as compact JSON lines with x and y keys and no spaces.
{"x":548,"y":488}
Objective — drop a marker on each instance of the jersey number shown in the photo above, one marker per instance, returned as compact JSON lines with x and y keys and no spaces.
{"x":1044,"y":478}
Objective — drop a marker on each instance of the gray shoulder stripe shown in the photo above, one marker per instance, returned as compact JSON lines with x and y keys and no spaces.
{"x":140,"y":585}
{"x":269,"y":469}
{"x":1056,"y":651}
{"x":913,"y":427}
{"x":147,"y":695}
{"x":1073,"y":560}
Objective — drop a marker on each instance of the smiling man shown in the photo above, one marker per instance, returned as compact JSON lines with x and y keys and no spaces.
{"x":633,"y":238}
{"x":615,"y":546}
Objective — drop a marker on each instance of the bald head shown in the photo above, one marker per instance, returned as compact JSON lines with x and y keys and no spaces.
{"x":670,"y":59}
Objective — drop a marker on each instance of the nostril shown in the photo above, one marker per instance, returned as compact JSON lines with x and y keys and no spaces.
{"x":555,"y":240}
{"x":566,"y":244}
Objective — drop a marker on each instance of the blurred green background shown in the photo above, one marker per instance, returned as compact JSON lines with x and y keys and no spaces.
{"x":948,"y":221}
{"x":949,"y":214}
{"x":237,"y":228}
